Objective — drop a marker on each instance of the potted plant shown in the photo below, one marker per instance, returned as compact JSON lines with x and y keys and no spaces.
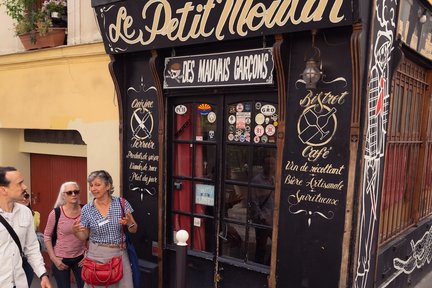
{"x":33,"y":26}
{"x":56,"y":10}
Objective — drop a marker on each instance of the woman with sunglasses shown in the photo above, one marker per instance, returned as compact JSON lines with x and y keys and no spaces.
{"x":68,"y":251}
{"x":103,"y":223}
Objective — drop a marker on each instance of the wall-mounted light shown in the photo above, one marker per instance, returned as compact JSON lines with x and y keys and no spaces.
{"x":313,"y":71}
{"x":423,"y":18}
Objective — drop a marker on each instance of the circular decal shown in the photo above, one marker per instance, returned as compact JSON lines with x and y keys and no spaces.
{"x":230,"y":137}
{"x":264,"y":139}
{"x":236,"y":137}
{"x":204,"y":108}
{"x":259,"y":119}
{"x":180,"y":109}
{"x":239,"y":107}
{"x":211,"y":117}
{"x":275,"y":123}
{"x":142,"y":124}
{"x":259,"y":130}
{"x":258,"y":105}
{"x":242,"y":138}
{"x":268,"y":110}
{"x":270,"y":130}
{"x":257,"y":139}
{"x":231,"y":119}
{"x":274,"y":117}
{"x":248,"y":120}
{"x":247,"y":128}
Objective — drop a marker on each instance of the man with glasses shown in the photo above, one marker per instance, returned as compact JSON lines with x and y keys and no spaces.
{"x":20,"y":218}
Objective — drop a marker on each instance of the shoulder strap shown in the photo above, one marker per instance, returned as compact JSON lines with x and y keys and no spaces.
{"x":12,"y":233}
{"x":54,"y":234}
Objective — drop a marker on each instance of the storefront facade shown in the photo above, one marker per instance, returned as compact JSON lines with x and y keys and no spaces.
{"x":252,"y":125}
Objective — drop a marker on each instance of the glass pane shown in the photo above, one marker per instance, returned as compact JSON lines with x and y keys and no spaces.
{"x":236,"y":166}
{"x":260,"y":245}
{"x":179,"y":222}
{"x":205,"y":161}
{"x":232,"y":240}
{"x":182,"y":190}
{"x":238,"y":121}
{"x":204,"y":237}
{"x":234,"y":202}
{"x":264,"y":166}
{"x":183,"y":159}
{"x":265,"y":123}
{"x":261,"y":206}
{"x":205,"y":122}
{"x":182,"y":122}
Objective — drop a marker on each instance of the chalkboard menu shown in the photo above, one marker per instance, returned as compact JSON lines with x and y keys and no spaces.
{"x":141,"y":151}
{"x":314,"y":171}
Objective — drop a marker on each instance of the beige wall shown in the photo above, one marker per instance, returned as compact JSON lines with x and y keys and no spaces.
{"x":66,"y":88}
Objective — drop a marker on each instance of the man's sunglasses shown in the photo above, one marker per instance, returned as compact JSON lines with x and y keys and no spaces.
{"x":26,"y":195}
{"x":75,"y":192}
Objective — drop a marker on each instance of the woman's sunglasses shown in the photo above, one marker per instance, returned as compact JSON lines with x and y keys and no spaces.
{"x":75,"y":192}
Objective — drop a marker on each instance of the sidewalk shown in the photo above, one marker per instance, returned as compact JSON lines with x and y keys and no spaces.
{"x":426,"y":282}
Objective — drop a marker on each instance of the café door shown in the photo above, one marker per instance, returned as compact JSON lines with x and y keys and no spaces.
{"x":221,"y":165}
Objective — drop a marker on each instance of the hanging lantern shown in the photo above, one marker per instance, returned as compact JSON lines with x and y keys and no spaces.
{"x":312,"y":73}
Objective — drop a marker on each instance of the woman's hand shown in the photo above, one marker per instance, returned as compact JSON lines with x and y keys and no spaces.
{"x":80,"y":231}
{"x":59,"y":263}
{"x":129,"y":221}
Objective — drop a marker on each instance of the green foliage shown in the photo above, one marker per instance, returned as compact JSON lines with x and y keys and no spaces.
{"x":28,"y":18}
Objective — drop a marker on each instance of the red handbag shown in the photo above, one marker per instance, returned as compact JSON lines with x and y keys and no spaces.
{"x":102,"y":274}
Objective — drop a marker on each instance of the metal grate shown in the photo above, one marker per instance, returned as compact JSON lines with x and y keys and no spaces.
{"x":405,"y":199}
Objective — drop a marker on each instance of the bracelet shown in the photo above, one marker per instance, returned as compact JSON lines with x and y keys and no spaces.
{"x":44,"y":274}
{"x":132,"y":225}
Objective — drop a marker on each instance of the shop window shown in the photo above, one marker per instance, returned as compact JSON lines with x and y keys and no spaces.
{"x":407,"y":190}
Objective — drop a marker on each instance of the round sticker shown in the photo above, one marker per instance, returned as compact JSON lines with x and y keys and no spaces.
{"x":275,"y":123}
{"x":259,"y":130}
{"x":231,"y":119}
{"x":180,"y":109}
{"x":248,"y":120}
{"x":239,"y":107}
{"x":230,"y":137}
{"x":258,"y":105}
{"x":268,"y":110}
{"x":236,"y":137}
{"x":242,"y":138}
{"x":211,"y":117}
{"x":274,"y":117}
{"x":264,"y":139}
{"x":259,"y":119}
{"x":270,"y":130}
{"x":257,"y":139}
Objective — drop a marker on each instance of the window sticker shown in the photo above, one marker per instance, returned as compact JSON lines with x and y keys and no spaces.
{"x":231,"y":119}
{"x":259,"y":130}
{"x":239,"y":107}
{"x":180,"y":109}
{"x":204,"y":109}
{"x":268,"y":110}
{"x":204,"y":194}
{"x":259,"y":119}
{"x":211,"y":117}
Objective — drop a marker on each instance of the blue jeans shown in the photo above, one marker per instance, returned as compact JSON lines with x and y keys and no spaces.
{"x":62,"y":277}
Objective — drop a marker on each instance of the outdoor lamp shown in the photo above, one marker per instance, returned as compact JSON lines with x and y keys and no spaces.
{"x":313,"y":72}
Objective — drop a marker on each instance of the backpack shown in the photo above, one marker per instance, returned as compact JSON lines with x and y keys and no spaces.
{"x":57,"y":217}
{"x":54,"y":234}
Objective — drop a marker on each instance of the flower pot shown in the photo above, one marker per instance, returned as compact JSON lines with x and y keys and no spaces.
{"x":54,"y":37}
